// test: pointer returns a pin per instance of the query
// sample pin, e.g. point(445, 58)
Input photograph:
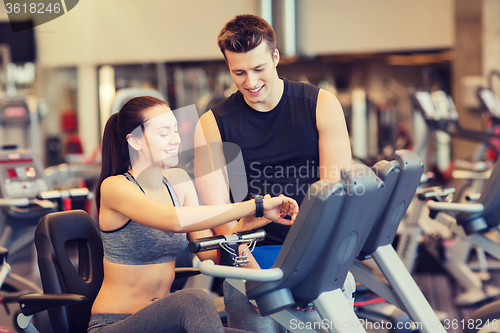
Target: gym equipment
point(478, 171)
point(486, 318)
point(364, 127)
point(475, 175)
point(472, 221)
point(442, 117)
point(69, 175)
point(359, 123)
point(230, 244)
point(12, 286)
point(305, 244)
point(491, 104)
point(19, 126)
point(475, 218)
point(395, 285)
point(25, 198)
point(51, 237)
point(453, 259)
point(66, 176)
point(190, 85)
point(22, 178)
point(324, 241)
point(487, 96)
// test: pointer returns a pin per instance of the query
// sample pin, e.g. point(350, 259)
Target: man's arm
point(209, 167)
point(334, 143)
point(211, 174)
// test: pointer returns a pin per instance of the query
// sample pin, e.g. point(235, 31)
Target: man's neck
point(272, 100)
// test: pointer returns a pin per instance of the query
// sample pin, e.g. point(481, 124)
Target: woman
point(144, 219)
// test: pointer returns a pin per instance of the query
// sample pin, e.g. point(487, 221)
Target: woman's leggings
point(241, 315)
point(187, 310)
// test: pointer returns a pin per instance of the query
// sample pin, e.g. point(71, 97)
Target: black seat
point(70, 259)
point(57, 237)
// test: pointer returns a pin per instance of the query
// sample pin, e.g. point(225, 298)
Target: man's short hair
point(244, 33)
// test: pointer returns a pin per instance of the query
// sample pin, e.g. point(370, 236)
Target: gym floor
point(440, 290)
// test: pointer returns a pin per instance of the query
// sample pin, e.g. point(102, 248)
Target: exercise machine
point(453, 257)
point(328, 235)
point(22, 179)
point(19, 125)
point(306, 242)
point(390, 280)
point(472, 222)
point(442, 117)
point(12, 286)
point(25, 198)
point(21, 176)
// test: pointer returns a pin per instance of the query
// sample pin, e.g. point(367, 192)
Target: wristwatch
point(259, 205)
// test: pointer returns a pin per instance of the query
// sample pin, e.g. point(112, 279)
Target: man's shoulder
point(298, 88)
point(302, 89)
point(227, 105)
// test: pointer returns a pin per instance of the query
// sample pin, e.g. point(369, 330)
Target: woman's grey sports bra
point(137, 244)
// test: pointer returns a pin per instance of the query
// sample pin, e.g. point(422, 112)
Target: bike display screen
point(21, 177)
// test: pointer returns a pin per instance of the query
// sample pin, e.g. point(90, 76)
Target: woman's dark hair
point(115, 150)
point(244, 33)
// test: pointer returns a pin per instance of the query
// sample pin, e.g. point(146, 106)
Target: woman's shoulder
point(114, 180)
point(176, 175)
point(182, 184)
point(116, 183)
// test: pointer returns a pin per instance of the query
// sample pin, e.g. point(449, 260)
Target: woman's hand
point(275, 209)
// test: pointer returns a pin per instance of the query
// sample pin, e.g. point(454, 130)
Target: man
point(291, 134)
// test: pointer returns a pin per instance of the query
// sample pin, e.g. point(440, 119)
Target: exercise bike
point(471, 222)
point(25, 197)
point(440, 116)
point(327, 237)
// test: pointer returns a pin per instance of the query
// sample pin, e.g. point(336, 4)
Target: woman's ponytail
point(115, 155)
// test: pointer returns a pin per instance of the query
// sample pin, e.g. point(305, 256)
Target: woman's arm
point(186, 192)
point(122, 196)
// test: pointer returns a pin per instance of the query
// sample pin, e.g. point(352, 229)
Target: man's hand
point(275, 209)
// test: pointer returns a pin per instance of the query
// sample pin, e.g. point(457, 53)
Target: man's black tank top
point(279, 147)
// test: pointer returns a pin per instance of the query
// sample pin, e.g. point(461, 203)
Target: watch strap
point(259, 206)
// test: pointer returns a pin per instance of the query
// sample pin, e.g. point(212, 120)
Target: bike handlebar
point(435, 193)
point(212, 243)
point(208, 267)
point(46, 195)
